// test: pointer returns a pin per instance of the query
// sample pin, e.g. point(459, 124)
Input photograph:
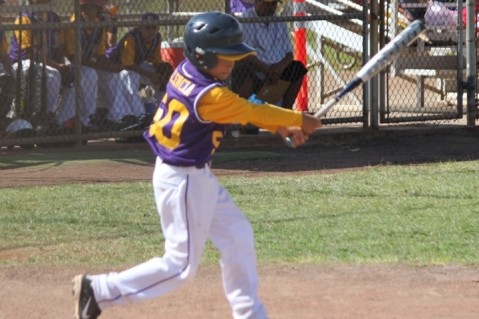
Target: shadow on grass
point(271, 155)
point(51, 158)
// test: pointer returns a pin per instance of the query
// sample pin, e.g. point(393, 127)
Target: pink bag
point(438, 15)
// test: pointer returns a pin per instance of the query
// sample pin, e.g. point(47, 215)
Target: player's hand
point(310, 123)
point(294, 133)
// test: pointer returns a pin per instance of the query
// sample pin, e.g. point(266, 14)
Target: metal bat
point(379, 61)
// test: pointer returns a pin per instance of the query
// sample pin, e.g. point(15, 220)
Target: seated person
point(270, 64)
point(94, 69)
point(33, 48)
point(94, 40)
point(274, 60)
point(139, 54)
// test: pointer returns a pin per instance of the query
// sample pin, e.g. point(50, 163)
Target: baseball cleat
point(86, 306)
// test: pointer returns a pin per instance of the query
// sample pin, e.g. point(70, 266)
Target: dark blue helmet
point(210, 34)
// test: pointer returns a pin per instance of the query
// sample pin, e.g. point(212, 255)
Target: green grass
point(411, 215)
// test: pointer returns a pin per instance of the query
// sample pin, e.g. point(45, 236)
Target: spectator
point(274, 60)
point(34, 48)
point(139, 53)
point(93, 59)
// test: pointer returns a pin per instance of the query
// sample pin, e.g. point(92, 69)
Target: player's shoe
point(86, 306)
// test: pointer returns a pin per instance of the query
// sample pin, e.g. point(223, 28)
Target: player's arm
point(99, 60)
point(127, 59)
point(7, 65)
point(220, 105)
point(25, 35)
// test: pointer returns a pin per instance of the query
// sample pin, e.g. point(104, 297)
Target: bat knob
point(289, 141)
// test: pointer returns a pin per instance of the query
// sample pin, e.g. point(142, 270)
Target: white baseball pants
point(53, 83)
point(193, 208)
point(88, 97)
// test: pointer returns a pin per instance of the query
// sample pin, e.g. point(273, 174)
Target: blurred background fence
point(332, 38)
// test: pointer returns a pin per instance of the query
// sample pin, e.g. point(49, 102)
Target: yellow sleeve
point(4, 45)
point(26, 35)
point(127, 53)
point(69, 39)
point(155, 57)
point(221, 105)
point(70, 43)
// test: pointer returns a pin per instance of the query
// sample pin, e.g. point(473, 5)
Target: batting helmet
point(212, 34)
point(20, 128)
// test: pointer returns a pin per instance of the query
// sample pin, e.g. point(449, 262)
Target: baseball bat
point(378, 62)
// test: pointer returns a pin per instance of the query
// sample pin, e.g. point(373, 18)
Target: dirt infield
point(289, 291)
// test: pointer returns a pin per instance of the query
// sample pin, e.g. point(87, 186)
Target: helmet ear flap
point(211, 60)
point(207, 60)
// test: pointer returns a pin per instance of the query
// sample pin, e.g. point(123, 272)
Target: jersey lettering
point(184, 85)
point(172, 124)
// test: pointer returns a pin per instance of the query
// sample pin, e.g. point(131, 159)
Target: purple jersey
point(142, 53)
point(52, 38)
point(241, 5)
point(178, 135)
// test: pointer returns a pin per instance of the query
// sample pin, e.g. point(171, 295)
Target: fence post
point(300, 52)
point(471, 81)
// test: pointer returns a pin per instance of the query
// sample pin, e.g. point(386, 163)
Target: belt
point(203, 165)
point(199, 165)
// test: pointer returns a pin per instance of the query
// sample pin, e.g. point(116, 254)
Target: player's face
point(148, 33)
point(222, 70)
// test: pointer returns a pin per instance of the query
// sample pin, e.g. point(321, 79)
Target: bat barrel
point(376, 64)
point(391, 50)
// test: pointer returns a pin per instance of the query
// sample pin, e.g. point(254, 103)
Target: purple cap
point(150, 16)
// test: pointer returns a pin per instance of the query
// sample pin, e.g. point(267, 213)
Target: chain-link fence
point(100, 76)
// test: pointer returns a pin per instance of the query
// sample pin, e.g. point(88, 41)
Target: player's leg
point(89, 93)
point(130, 81)
point(294, 73)
point(19, 105)
point(54, 82)
point(185, 201)
point(232, 234)
point(66, 109)
point(110, 92)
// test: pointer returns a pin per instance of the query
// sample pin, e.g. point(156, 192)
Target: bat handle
point(289, 141)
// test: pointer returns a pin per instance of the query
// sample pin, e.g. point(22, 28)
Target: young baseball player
point(36, 47)
point(139, 52)
point(94, 66)
point(192, 205)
